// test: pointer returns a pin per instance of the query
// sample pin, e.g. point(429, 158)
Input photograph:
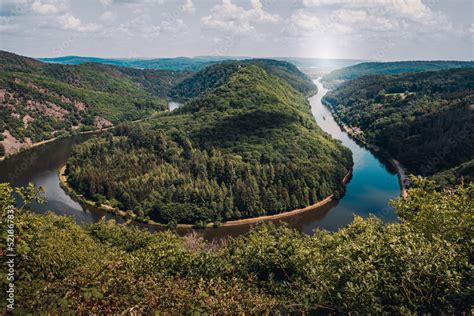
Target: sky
point(352, 29)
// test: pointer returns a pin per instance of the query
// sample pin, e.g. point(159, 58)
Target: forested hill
point(39, 100)
point(246, 148)
point(425, 120)
point(215, 75)
point(173, 64)
point(390, 68)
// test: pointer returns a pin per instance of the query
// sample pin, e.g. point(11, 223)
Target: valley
point(425, 120)
point(164, 196)
point(236, 157)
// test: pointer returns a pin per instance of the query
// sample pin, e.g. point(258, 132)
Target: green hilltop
point(245, 148)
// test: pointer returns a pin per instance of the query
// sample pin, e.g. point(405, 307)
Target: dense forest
point(216, 75)
point(423, 264)
point(246, 148)
point(39, 100)
point(425, 120)
point(389, 68)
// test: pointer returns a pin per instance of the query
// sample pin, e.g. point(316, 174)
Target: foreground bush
point(422, 264)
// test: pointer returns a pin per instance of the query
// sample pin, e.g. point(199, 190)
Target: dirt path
point(402, 177)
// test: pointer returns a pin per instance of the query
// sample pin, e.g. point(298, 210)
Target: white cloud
point(414, 9)
point(106, 2)
point(339, 29)
point(352, 16)
point(232, 18)
point(471, 28)
point(144, 26)
point(301, 24)
point(389, 16)
point(44, 8)
point(174, 27)
point(107, 17)
point(70, 22)
point(188, 6)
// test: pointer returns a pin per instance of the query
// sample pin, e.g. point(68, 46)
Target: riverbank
point(294, 212)
point(357, 135)
point(402, 177)
point(64, 184)
point(43, 142)
point(130, 215)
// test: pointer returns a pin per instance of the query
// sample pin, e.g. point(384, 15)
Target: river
point(372, 185)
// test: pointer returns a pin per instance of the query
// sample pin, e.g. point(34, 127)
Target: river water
point(372, 185)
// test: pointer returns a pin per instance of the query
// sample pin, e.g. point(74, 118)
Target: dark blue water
point(373, 182)
point(372, 185)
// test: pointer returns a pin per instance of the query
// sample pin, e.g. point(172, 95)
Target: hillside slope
point(39, 101)
point(247, 148)
point(106, 268)
point(389, 68)
point(425, 120)
point(215, 75)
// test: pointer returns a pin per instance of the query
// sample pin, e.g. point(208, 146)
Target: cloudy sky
point(360, 29)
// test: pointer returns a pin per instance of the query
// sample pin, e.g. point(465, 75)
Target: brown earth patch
point(10, 143)
point(80, 106)
point(101, 122)
point(27, 120)
point(48, 109)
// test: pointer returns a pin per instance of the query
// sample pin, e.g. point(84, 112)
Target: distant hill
point(320, 63)
point(174, 64)
point(213, 76)
point(199, 62)
point(40, 100)
point(390, 68)
point(425, 120)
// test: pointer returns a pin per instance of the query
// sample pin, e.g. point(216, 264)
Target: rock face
point(101, 122)
point(27, 120)
point(10, 143)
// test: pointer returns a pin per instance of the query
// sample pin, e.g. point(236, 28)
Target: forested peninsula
point(425, 120)
point(244, 145)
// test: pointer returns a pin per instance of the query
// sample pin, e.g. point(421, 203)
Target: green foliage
point(390, 68)
point(463, 172)
point(425, 120)
point(421, 265)
point(435, 213)
point(216, 75)
point(59, 98)
point(249, 147)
